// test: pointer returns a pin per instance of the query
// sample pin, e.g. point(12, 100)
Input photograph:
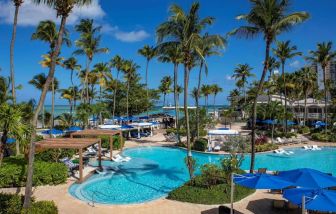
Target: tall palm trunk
point(52, 106)
point(164, 99)
point(176, 102)
point(128, 88)
point(29, 183)
point(115, 97)
point(197, 99)
point(325, 99)
point(12, 76)
point(88, 62)
point(186, 115)
point(43, 116)
point(73, 90)
point(214, 103)
point(285, 93)
point(147, 96)
point(3, 144)
point(254, 109)
point(305, 108)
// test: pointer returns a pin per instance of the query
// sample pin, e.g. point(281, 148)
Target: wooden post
point(121, 139)
point(111, 146)
point(80, 165)
point(71, 136)
point(99, 153)
point(232, 194)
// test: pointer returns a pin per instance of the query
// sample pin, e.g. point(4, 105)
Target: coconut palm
point(323, 56)
point(63, 10)
point(209, 45)
point(241, 73)
point(17, 4)
point(4, 89)
point(165, 87)
point(149, 53)
point(215, 89)
point(65, 118)
point(71, 64)
point(116, 62)
point(206, 90)
point(89, 45)
point(173, 54)
point(129, 69)
point(268, 18)
point(285, 51)
point(68, 94)
point(273, 64)
point(184, 29)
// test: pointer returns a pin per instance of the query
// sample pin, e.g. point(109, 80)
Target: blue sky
point(128, 25)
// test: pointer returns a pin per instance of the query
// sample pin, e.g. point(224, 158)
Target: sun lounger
point(308, 147)
point(217, 148)
point(262, 170)
point(315, 147)
point(119, 158)
point(282, 151)
point(69, 164)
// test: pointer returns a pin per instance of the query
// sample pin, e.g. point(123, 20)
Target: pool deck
point(259, 202)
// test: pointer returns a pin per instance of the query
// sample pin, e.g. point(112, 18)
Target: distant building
point(330, 73)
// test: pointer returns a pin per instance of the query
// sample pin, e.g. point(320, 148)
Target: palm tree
point(173, 54)
point(116, 62)
point(88, 45)
point(71, 64)
point(323, 56)
point(209, 46)
point(129, 68)
point(65, 118)
point(4, 89)
point(285, 51)
point(165, 87)
point(68, 94)
point(206, 90)
point(183, 29)
point(273, 64)
point(149, 53)
point(308, 78)
point(17, 4)
point(269, 18)
point(11, 122)
point(38, 82)
point(63, 9)
point(215, 89)
point(241, 73)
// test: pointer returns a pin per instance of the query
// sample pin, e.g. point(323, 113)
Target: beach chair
point(262, 170)
point(70, 165)
point(315, 147)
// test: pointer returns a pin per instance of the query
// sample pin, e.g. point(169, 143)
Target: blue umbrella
point(314, 199)
point(126, 127)
point(74, 129)
point(223, 129)
point(10, 140)
point(271, 122)
point(289, 123)
point(309, 178)
point(53, 131)
point(261, 181)
point(143, 118)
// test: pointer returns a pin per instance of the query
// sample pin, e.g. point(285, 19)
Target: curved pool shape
point(155, 171)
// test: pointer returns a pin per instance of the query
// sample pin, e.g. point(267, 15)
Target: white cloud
point(124, 36)
point(31, 14)
point(228, 77)
point(295, 64)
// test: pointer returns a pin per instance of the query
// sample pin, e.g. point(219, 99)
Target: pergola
point(72, 143)
point(99, 132)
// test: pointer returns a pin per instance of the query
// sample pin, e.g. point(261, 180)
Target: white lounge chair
point(119, 158)
point(315, 147)
point(283, 152)
point(308, 147)
point(126, 158)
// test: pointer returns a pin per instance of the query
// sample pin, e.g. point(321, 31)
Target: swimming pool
point(154, 171)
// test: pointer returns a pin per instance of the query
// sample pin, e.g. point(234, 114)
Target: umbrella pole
point(232, 193)
point(303, 205)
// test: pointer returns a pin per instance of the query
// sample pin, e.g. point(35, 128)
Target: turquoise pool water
point(154, 171)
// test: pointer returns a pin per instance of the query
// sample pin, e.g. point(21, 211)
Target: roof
point(95, 132)
point(66, 143)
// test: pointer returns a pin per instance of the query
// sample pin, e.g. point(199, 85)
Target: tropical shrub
point(211, 175)
point(261, 140)
point(54, 155)
point(117, 144)
point(325, 137)
point(14, 170)
point(304, 130)
point(266, 147)
point(231, 164)
point(200, 144)
point(12, 203)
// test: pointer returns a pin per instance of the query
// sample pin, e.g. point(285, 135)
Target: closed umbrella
point(312, 199)
point(309, 178)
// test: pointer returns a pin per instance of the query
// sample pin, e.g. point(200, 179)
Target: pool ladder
point(92, 199)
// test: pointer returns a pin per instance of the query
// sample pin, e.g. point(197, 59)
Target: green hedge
point(217, 194)
point(12, 204)
point(266, 147)
point(117, 144)
point(14, 170)
point(200, 144)
point(53, 155)
point(321, 136)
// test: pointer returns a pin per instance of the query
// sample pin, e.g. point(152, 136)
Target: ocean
point(60, 109)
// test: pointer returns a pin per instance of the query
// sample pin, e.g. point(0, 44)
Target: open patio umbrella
point(53, 131)
point(270, 122)
point(10, 140)
point(257, 181)
point(309, 178)
point(74, 129)
point(312, 199)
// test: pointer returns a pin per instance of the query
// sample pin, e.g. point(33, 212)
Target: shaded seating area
point(97, 133)
point(71, 143)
